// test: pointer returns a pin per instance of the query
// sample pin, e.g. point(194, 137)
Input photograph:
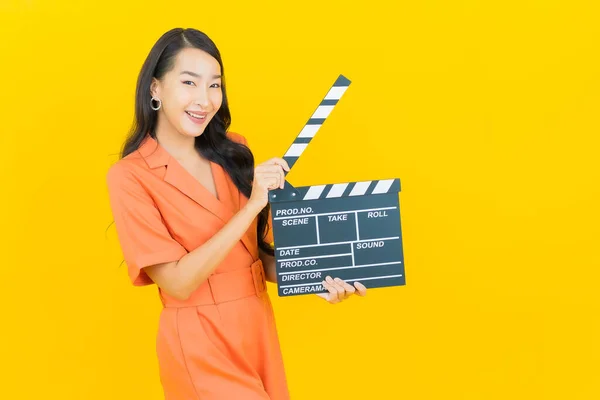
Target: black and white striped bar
point(346, 230)
point(316, 120)
point(349, 189)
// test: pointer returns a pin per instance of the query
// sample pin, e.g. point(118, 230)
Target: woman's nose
point(202, 99)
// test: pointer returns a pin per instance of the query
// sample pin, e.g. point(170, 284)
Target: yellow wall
point(486, 110)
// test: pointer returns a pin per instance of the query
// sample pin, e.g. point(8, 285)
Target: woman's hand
point(267, 176)
point(338, 290)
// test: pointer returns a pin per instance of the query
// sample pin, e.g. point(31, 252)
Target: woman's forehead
point(197, 61)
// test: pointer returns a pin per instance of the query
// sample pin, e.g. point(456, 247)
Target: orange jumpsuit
point(222, 342)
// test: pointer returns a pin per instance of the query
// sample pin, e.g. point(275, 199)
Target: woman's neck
point(180, 147)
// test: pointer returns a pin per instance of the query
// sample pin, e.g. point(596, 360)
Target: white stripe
point(309, 258)
point(383, 186)
point(336, 268)
point(309, 130)
point(322, 112)
point(337, 190)
point(336, 212)
point(314, 192)
point(335, 92)
point(345, 280)
point(360, 188)
point(336, 243)
point(296, 150)
point(373, 277)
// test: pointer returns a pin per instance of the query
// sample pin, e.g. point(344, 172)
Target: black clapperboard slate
point(347, 230)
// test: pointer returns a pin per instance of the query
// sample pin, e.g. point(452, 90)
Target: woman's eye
point(187, 82)
point(216, 85)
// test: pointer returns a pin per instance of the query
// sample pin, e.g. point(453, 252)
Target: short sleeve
point(144, 238)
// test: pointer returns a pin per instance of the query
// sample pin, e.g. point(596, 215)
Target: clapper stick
point(316, 120)
point(349, 230)
point(310, 129)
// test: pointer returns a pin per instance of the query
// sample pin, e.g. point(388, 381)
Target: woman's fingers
point(270, 177)
point(272, 169)
point(361, 289)
point(269, 182)
point(282, 178)
point(276, 165)
point(334, 296)
point(339, 290)
point(279, 161)
point(348, 289)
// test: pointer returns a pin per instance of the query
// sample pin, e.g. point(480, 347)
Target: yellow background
point(486, 110)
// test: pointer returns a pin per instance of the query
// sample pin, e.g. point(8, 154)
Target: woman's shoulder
point(125, 169)
point(237, 137)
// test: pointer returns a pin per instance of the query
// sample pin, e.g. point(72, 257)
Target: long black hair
point(235, 158)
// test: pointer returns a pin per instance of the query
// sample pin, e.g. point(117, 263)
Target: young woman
point(192, 217)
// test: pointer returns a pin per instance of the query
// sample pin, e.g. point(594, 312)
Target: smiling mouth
point(197, 116)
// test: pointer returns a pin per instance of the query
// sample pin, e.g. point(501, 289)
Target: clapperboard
point(347, 230)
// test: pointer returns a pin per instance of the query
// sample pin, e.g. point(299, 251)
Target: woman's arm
point(181, 278)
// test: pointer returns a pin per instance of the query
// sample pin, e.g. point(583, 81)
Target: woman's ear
point(154, 88)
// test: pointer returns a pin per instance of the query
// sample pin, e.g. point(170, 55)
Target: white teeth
point(196, 115)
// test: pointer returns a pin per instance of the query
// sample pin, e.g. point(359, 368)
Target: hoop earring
point(152, 104)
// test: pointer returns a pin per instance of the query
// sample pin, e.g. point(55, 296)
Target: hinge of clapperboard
point(308, 132)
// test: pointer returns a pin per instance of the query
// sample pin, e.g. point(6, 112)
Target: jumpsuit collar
point(229, 201)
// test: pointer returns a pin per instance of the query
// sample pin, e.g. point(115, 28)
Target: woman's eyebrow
point(197, 75)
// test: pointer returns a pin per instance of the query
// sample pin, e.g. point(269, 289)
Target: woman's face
point(190, 93)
